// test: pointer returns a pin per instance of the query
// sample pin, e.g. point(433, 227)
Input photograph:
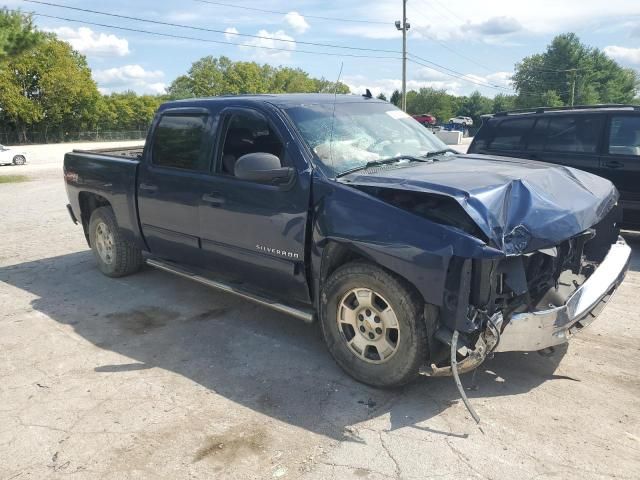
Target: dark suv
point(601, 139)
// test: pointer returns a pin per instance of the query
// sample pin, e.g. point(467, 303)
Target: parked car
point(344, 210)
point(12, 156)
point(464, 121)
point(425, 119)
point(600, 139)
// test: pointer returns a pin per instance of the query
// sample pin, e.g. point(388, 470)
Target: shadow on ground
point(257, 358)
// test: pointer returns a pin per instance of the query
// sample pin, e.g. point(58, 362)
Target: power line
point(212, 30)
point(317, 17)
point(206, 40)
point(453, 73)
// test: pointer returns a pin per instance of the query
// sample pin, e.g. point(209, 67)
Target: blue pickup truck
point(344, 210)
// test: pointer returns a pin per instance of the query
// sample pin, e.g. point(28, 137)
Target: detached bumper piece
point(531, 331)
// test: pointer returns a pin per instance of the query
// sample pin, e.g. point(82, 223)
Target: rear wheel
point(373, 325)
point(116, 256)
point(19, 160)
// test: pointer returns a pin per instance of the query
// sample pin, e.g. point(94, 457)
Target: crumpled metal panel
point(520, 205)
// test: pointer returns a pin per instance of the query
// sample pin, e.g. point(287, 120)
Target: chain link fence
point(40, 137)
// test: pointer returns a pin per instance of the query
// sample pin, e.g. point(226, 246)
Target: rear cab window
point(180, 141)
point(624, 135)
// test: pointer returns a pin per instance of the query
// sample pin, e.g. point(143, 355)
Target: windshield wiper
point(383, 161)
point(439, 152)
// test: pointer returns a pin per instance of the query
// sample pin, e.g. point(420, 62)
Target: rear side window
point(511, 134)
point(624, 135)
point(179, 142)
point(578, 134)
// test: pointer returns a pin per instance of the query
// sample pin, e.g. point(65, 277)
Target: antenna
point(333, 115)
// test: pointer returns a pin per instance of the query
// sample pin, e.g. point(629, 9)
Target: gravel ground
point(151, 376)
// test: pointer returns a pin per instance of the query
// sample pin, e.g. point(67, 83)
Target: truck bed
point(118, 152)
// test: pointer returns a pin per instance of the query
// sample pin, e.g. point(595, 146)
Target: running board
point(304, 315)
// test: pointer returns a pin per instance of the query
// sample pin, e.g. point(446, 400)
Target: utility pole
point(404, 26)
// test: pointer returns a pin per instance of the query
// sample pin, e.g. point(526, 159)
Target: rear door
point(620, 160)
point(175, 171)
point(253, 233)
point(571, 140)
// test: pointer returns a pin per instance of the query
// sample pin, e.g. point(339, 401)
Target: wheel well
point(335, 255)
point(88, 203)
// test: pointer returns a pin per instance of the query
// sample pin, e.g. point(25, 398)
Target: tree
point(474, 106)
point(17, 33)
point(49, 85)
point(382, 96)
point(576, 73)
point(503, 103)
point(211, 76)
point(430, 100)
point(396, 97)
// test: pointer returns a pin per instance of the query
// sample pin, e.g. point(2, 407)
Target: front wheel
point(115, 255)
point(373, 325)
point(19, 160)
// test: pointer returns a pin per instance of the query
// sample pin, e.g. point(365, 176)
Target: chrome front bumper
point(532, 331)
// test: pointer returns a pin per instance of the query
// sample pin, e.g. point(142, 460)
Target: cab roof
point(284, 100)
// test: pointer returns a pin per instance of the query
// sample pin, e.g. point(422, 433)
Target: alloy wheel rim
point(104, 242)
point(368, 325)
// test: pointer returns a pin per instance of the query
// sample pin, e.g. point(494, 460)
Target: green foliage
point(49, 85)
point(503, 103)
point(17, 33)
point(436, 102)
point(396, 96)
point(127, 111)
point(474, 106)
point(13, 178)
point(382, 96)
point(570, 70)
point(212, 76)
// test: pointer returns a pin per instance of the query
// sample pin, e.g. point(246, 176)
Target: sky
point(459, 46)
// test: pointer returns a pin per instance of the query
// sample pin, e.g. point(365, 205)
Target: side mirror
point(262, 167)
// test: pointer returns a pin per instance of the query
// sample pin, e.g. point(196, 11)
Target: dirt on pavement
point(151, 376)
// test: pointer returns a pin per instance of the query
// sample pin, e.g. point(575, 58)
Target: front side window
point(179, 142)
point(578, 134)
point(510, 134)
point(347, 136)
point(624, 136)
point(248, 131)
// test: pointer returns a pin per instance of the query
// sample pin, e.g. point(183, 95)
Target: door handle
point(614, 164)
point(213, 198)
point(148, 188)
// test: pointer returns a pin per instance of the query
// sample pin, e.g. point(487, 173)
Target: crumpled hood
point(520, 205)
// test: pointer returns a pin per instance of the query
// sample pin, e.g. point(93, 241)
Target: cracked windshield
point(362, 134)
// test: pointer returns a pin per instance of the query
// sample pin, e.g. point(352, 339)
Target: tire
point(390, 368)
point(19, 160)
point(116, 256)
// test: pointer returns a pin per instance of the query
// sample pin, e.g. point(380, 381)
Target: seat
point(239, 142)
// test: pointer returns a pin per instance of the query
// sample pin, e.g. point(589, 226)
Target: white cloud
point(262, 46)
point(88, 42)
point(624, 54)
point(495, 26)
point(296, 21)
point(231, 33)
point(488, 21)
point(130, 77)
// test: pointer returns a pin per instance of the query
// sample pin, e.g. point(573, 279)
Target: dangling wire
point(456, 377)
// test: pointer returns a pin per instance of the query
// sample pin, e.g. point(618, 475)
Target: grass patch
point(13, 178)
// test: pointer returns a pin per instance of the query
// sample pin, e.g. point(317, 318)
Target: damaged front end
point(531, 301)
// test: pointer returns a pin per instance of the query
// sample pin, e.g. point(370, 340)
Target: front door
point(175, 171)
point(252, 233)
